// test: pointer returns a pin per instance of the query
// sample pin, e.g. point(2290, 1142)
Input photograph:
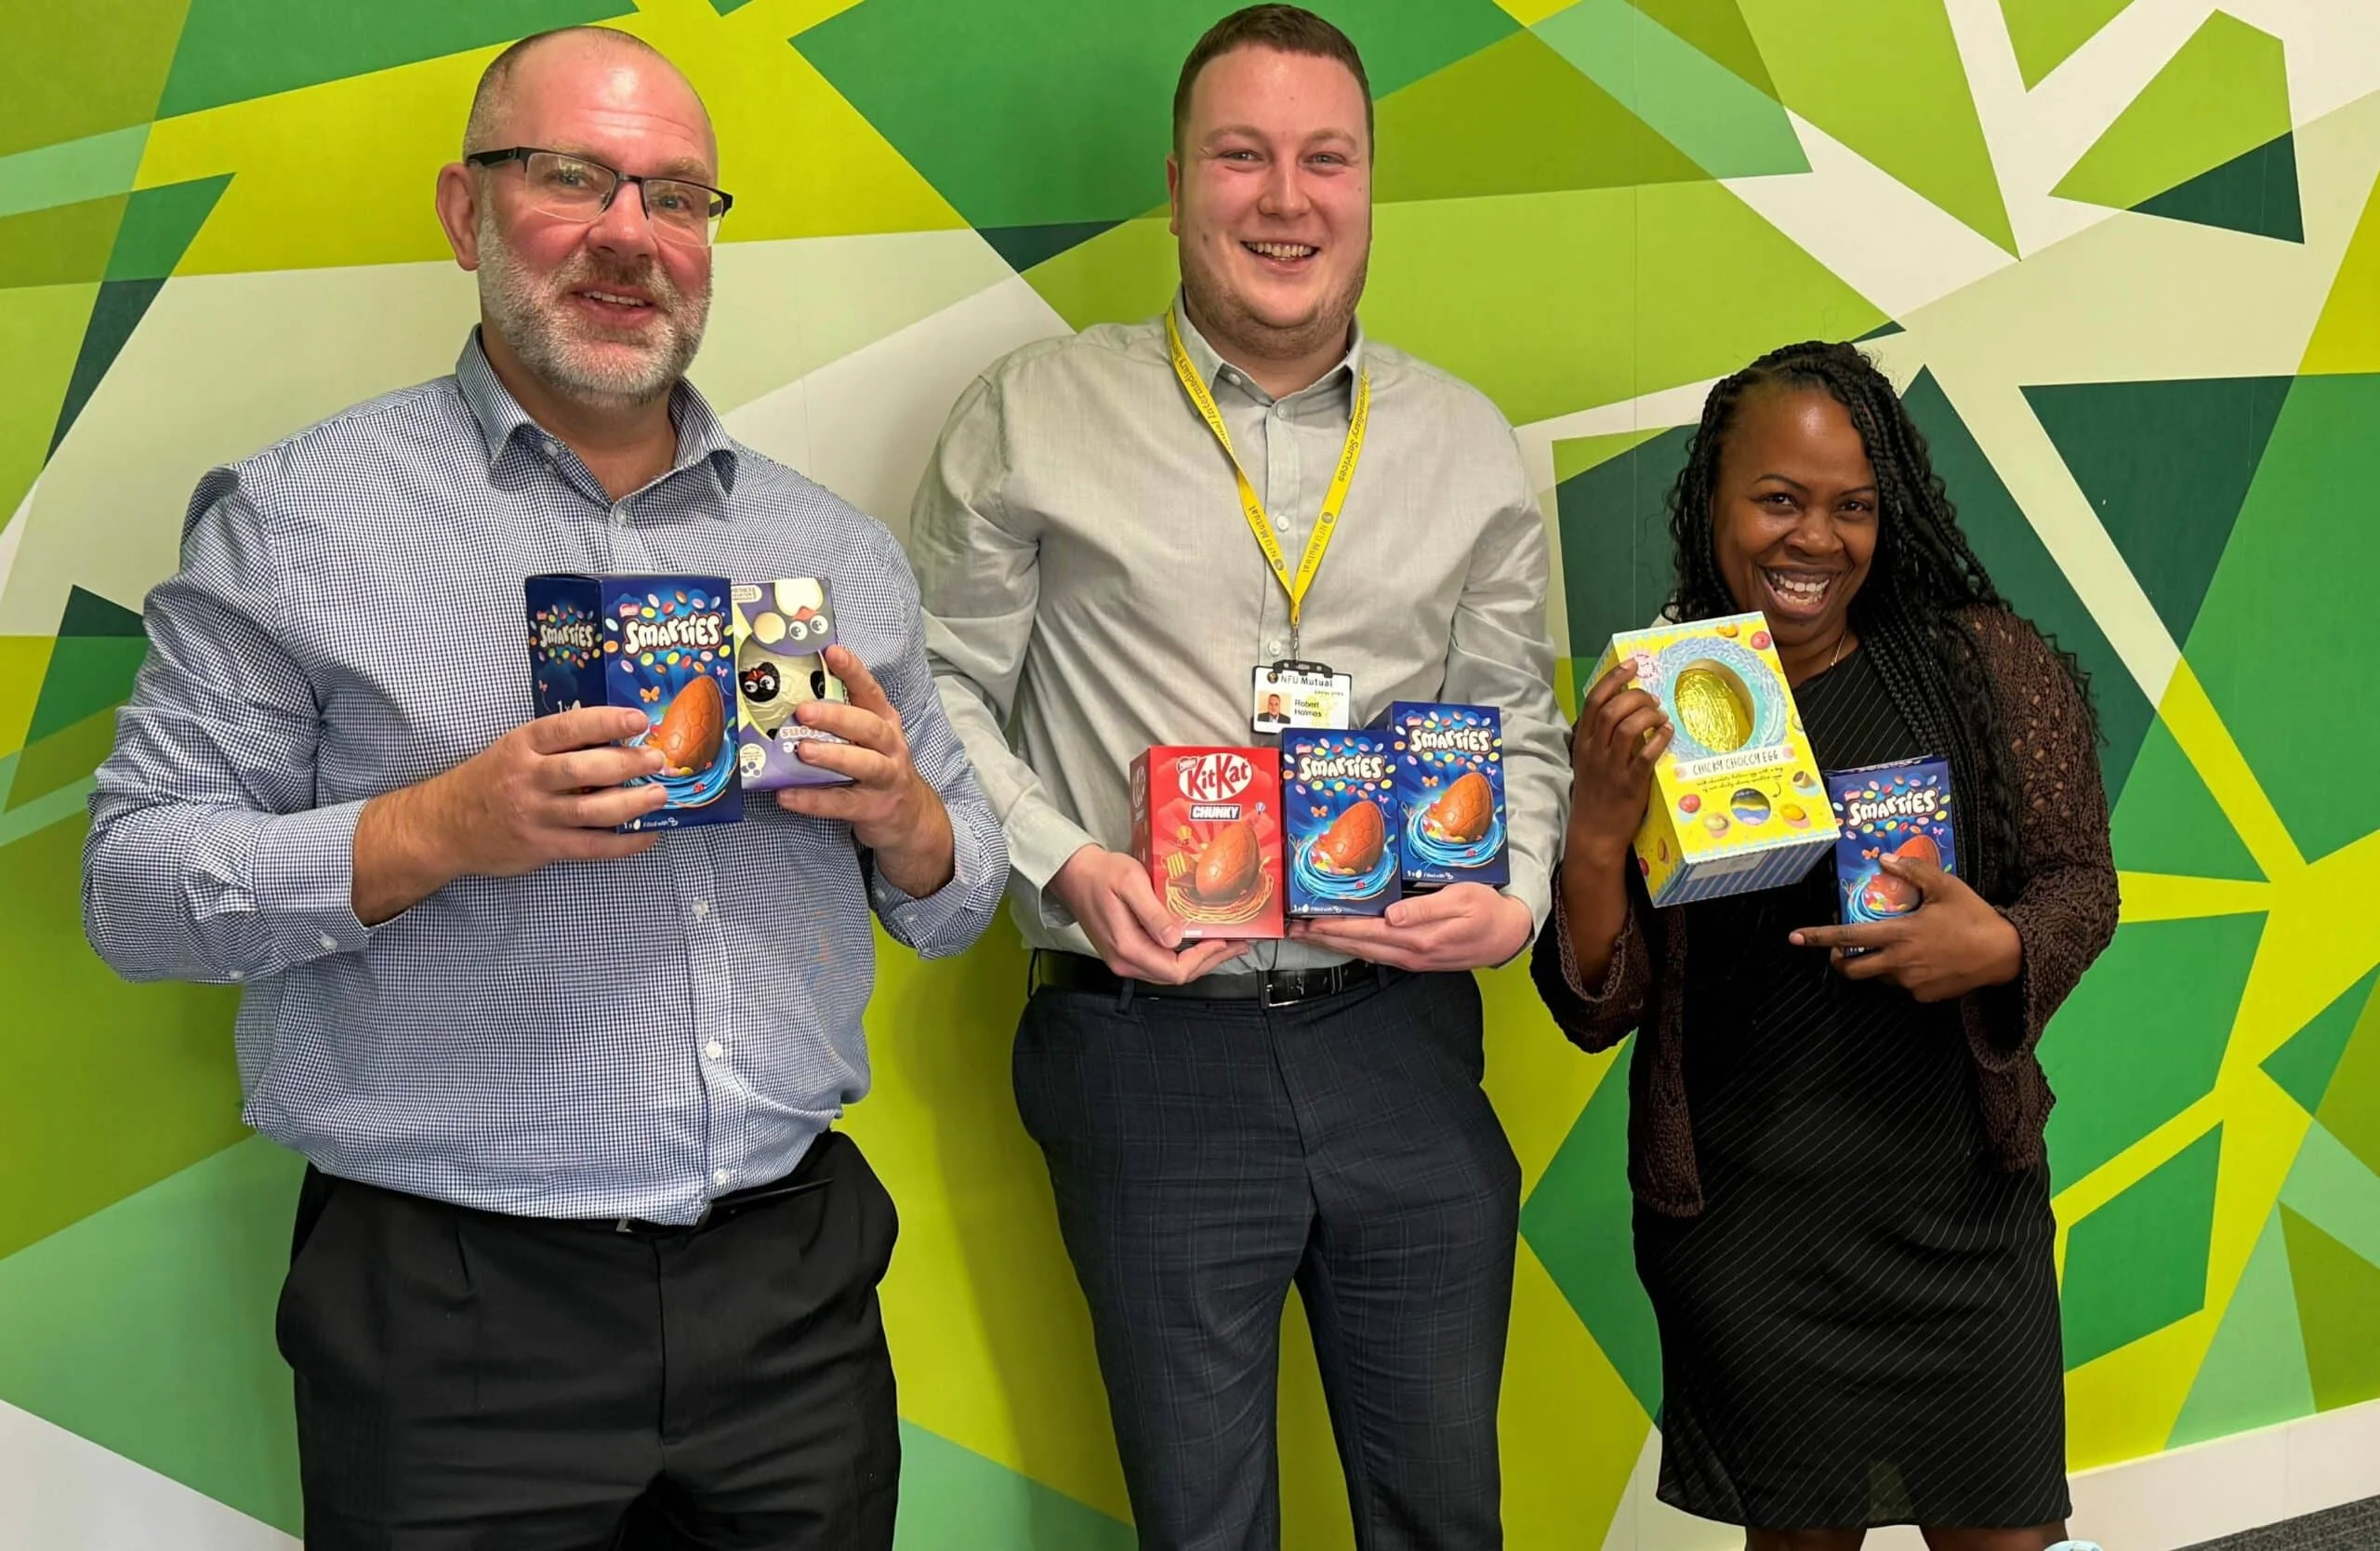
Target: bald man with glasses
point(580, 1260)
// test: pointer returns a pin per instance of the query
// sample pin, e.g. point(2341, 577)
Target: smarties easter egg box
point(659, 643)
point(1206, 824)
point(1338, 821)
point(1737, 804)
point(1900, 809)
point(1449, 792)
point(782, 629)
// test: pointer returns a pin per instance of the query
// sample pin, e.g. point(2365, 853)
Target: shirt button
point(620, 515)
point(330, 944)
point(702, 908)
point(1274, 647)
point(714, 1050)
point(719, 1176)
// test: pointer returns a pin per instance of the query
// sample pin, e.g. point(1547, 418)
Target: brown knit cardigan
point(2062, 903)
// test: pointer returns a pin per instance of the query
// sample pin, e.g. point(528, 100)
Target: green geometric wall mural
point(1578, 1221)
point(2139, 1263)
point(2304, 1066)
point(2224, 95)
point(2046, 31)
point(2337, 1291)
point(2254, 191)
point(2166, 466)
point(2182, 978)
point(2254, 1373)
point(2131, 307)
point(2029, 577)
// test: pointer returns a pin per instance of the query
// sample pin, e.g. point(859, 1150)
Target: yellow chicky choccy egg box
point(1737, 802)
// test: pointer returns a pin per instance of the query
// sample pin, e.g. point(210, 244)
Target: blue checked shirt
point(592, 1039)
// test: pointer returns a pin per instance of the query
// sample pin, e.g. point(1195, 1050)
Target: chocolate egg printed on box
point(1450, 791)
point(1339, 822)
point(1737, 803)
point(660, 645)
point(1902, 809)
point(783, 628)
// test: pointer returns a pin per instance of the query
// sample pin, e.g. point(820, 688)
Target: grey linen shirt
point(1090, 587)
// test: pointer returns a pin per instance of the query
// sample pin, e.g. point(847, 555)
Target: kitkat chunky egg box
point(664, 645)
point(1206, 824)
point(1737, 803)
point(1902, 809)
point(1449, 778)
point(1340, 819)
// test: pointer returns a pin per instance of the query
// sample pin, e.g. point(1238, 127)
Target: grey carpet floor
point(2355, 1526)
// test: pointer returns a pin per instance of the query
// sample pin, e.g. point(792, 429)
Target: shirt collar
point(1211, 365)
point(701, 437)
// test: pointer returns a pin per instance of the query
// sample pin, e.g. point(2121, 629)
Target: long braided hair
point(1913, 614)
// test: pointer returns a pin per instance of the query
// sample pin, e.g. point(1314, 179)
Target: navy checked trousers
point(1206, 1156)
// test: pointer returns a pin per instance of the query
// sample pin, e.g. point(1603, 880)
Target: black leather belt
point(1072, 971)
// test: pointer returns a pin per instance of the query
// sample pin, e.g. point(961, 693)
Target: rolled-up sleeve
point(951, 919)
point(207, 859)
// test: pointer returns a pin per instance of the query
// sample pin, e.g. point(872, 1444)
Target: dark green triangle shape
point(2304, 1067)
point(2138, 1263)
point(233, 50)
point(115, 312)
point(91, 666)
point(1882, 331)
point(1716, 29)
point(2255, 192)
point(2337, 1289)
point(2166, 464)
point(1579, 1220)
point(2026, 575)
point(1616, 560)
point(89, 614)
point(158, 225)
point(1025, 246)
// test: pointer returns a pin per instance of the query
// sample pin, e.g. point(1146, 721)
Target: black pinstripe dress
point(1862, 1326)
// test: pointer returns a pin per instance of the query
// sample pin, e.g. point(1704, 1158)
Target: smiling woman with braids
point(1843, 1214)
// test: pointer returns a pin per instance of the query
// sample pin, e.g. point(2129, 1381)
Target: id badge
point(1285, 694)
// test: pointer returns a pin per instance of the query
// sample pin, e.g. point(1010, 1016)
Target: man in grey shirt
point(1221, 1120)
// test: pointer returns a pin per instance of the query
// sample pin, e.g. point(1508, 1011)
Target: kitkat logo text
point(1212, 777)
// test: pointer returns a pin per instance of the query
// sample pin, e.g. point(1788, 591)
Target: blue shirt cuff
point(302, 877)
point(951, 919)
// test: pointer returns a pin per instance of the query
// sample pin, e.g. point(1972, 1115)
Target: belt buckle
point(1266, 997)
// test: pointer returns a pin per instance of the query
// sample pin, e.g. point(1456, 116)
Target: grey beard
point(523, 309)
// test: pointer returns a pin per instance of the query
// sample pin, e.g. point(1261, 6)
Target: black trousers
point(1205, 1155)
point(469, 1380)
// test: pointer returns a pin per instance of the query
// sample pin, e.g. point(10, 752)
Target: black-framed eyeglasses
point(575, 188)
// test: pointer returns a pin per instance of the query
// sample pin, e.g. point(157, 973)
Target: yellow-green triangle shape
point(1884, 77)
point(2046, 32)
point(2222, 95)
point(1574, 455)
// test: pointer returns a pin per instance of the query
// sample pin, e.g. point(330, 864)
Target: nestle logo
point(1212, 777)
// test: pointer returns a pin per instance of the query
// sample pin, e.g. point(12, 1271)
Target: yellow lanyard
point(1252, 508)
